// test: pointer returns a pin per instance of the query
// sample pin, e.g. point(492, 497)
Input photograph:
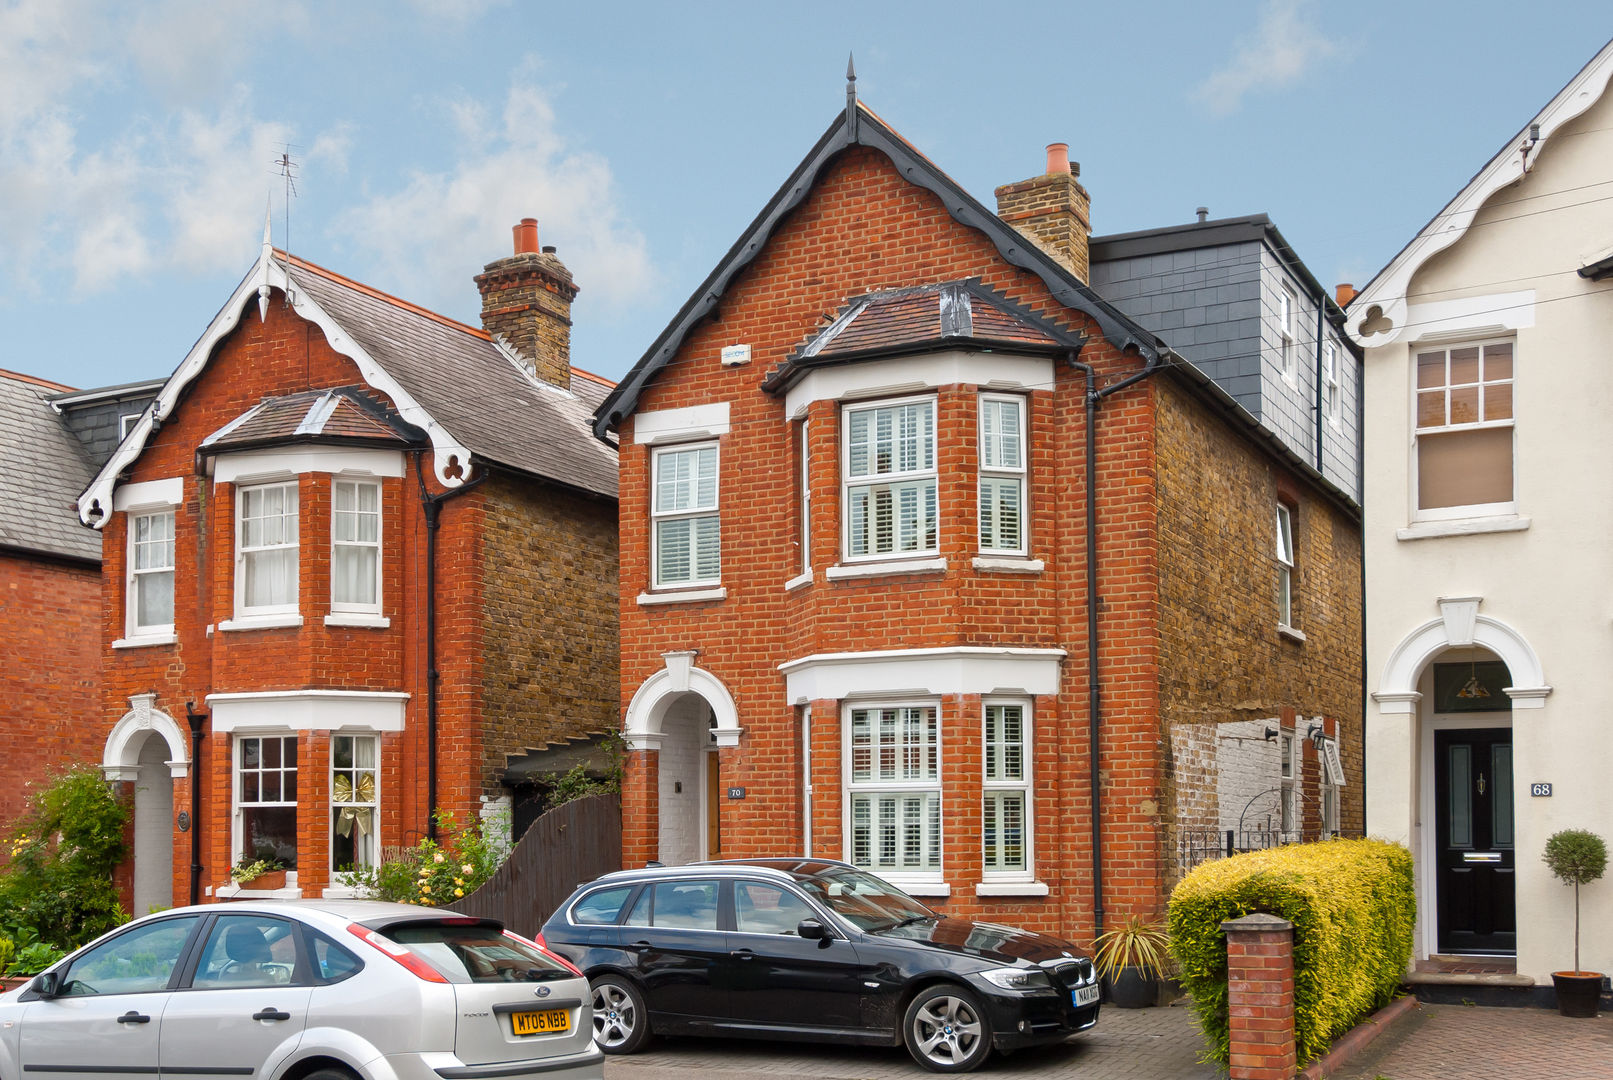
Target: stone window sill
point(1011, 888)
point(1008, 564)
point(1428, 530)
point(803, 578)
point(259, 622)
point(922, 888)
point(1290, 633)
point(687, 596)
point(883, 567)
point(354, 618)
point(145, 641)
point(233, 891)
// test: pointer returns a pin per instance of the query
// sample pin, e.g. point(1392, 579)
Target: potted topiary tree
point(1132, 960)
point(1577, 857)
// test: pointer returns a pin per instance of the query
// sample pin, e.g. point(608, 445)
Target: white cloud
point(441, 227)
point(1281, 50)
point(188, 51)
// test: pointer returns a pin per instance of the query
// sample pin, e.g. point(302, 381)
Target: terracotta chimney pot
point(1343, 294)
point(526, 236)
point(1058, 157)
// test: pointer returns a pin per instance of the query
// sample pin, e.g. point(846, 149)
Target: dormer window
point(890, 479)
point(266, 550)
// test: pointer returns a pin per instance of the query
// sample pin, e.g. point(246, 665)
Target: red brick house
point(874, 476)
point(357, 557)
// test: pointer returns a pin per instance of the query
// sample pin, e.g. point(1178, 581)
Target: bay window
point(894, 789)
point(686, 537)
point(355, 552)
point(266, 551)
point(1002, 475)
point(1005, 818)
point(355, 801)
point(890, 479)
point(266, 798)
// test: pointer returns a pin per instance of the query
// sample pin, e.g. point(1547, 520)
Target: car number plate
point(1086, 995)
point(541, 1023)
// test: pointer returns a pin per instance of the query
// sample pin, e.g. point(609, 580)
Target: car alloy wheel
point(946, 1030)
point(620, 1022)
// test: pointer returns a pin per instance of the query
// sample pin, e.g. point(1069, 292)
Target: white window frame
point(925, 880)
point(241, 551)
point(874, 480)
point(379, 545)
point(132, 628)
point(1018, 475)
point(1472, 510)
point(126, 421)
point(238, 815)
point(806, 499)
point(659, 516)
point(1330, 806)
point(1285, 565)
point(1330, 379)
point(1023, 786)
point(374, 806)
point(1285, 332)
point(1289, 821)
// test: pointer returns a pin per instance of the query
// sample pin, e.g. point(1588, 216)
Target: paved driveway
point(1456, 1042)
point(1127, 1044)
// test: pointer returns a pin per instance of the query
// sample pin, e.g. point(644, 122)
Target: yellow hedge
point(1352, 905)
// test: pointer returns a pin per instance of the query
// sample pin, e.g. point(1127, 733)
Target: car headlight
point(1016, 978)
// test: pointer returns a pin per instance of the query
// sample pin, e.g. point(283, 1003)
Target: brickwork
point(52, 665)
point(526, 302)
point(553, 671)
point(1055, 212)
point(1260, 997)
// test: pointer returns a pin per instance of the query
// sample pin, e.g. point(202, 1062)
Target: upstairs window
point(1464, 430)
point(151, 573)
point(355, 551)
point(890, 479)
point(1002, 475)
point(1285, 331)
point(1285, 566)
point(266, 555)
point(687, 543)
point(1330, 381)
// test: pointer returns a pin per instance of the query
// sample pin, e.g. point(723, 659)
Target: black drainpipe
point(1094, 705)
point(1321, 391)
point(196, 720)
point(432, 505)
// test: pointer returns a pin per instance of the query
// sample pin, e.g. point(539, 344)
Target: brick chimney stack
point(1053, 210)
point(526, 304)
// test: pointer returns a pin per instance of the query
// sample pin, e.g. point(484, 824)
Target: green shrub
point(58, 886)
point(1353, 908)
point(434, 873)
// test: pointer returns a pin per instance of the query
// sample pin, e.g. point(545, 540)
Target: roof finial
point(264, 260)
point(851, 94)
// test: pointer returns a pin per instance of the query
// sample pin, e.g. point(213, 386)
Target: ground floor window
point(1287, 789)
point(1005, 813)
point(894, 788)
point(355, 801)
point(266, 798)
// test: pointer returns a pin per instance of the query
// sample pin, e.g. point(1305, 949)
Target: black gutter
point(432, 505)
point(1095, 698)
point(196, 720)
point(83, 562)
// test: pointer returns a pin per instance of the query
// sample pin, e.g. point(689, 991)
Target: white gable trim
point(449, 455)
point(1387, 292)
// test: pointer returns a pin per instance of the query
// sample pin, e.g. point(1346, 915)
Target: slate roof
point(42, 470)
point(470, 386)
point(946, 315)
point(345, 414)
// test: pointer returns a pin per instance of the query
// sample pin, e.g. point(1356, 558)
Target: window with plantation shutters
point(890, 479)
point(1002, 475)
point(894, 789)
point(686, 544)
point(1005, 812)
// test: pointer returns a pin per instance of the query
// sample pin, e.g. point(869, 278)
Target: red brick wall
point(864, 228)
point(50, 639)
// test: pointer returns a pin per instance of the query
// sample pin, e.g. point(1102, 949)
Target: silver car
point(304, 990)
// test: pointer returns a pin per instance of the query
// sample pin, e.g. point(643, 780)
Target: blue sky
point(136, 140)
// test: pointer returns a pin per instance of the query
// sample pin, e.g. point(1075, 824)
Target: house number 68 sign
point(1540, 791)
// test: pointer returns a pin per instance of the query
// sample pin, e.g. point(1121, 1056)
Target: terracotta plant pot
point(272, 879)
point(1578, 992)
point(11, 982)
point(1133, 988)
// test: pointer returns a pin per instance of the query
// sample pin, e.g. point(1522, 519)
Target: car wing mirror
point(812, 930)
point(47, 985)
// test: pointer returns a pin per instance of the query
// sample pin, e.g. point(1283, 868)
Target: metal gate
point(571, 844)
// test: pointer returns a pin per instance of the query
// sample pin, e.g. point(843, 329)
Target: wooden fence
point(571, 844)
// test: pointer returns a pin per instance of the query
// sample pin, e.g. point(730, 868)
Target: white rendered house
point(1488, 466)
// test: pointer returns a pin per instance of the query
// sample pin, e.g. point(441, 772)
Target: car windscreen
point(476, 952)
point(863, 900)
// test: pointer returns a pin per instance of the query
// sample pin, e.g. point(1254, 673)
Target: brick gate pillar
point(1260, 997)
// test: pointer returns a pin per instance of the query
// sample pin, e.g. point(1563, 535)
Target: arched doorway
point(680, 717)
point(153, 827)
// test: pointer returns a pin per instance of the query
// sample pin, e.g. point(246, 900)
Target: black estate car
point(813, 949)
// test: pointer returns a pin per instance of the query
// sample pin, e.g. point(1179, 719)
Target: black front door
point(1473, 830)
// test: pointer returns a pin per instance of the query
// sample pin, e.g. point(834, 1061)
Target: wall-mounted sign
point(183, 821)
point(735, 355)
point(1540, 791)
point(736, 793)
